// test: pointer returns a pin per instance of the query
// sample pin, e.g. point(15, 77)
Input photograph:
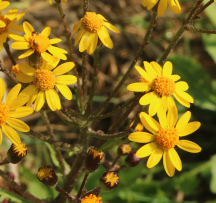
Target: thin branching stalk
point(10, 55)
point(67, 195)
point(52, 135)
point(194, 29)
point(142, 46)
point(82, 185)
point(203, 8)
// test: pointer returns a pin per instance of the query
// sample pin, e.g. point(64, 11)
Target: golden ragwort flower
point(11, 110)
point(162, 6)
point(45, 82)
point(9, 19)
point(91, 199)
point(39, 43)
point(3, 5)
point(93, 26)
point(50, 1)
point(162, 84)
point(165, 136)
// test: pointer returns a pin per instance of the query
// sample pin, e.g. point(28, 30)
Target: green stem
point(194, 29)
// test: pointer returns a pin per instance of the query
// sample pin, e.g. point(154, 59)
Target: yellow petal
point(11, 134)
point(28, 91)
point(189, 128)
point(138, 87)
point(55, 41)
point(155, 157)
point(66, 79)
point(32, 98)
point(11, 14)
point(77, 26)
point(162, 117)
point(4, 4)
point(149, 69)
point(21, 112)
point(63, 68)
point(85, 41)
point(162, 7)
point(15, 37)
point(18, 102)
point(21, 77)
point(174, 5)
point(167, 69)
point(148, 98)
point(141, 137)
point(58, 52)
point(79, 35)
point(18, 125)
point(181, 100)
point(168, 165)
point(146, 150)
point(18, 28)
point(154, 106)
point(185, 96)
point(175, 77)
point(183, 86)
point(105, 38)
point(157, 68)
point(20, 45)
point(52, 99)
point(111, 27)
point(19, 16)
point(40, 100)
point(183, 120)
point(26, 54)
point(13, 93)
point(47, 57)
point(2, 89)
point(46, 31)
point(27, 69)
point(172, 115)
point(175, 159)
point(144, 74)
point(149, 123)
point(91, 48)
point(28, 29)
point(189, 146)
point(65, 91)
point(101, 17)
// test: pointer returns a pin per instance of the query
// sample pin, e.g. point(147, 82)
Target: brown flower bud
point(108, 181)
point(93, 159)
point(47, 176)
point(16, 153)
point(124, 149)
point(132, 160)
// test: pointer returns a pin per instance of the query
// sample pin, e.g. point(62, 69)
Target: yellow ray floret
point(162, 5)
point(159, 86)
point(11, 110)
point(38, 42)
point(3, 5)
point(93, 27)
point(164, 137)
point(44, 83)
point(9, 19)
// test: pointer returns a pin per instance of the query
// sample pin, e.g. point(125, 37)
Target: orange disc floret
point(167, 138)
point(16, 70)
point(92, 22)
point(91, 199)
point(39, 43)
point(163, 86)
point(4, 113)
point(44, 80)
point(6, 21)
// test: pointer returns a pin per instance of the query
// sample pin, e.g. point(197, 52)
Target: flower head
point(11, 110)
point(91, 199)
point(164, 138)
point(162, 6)
point(93, 26)
point(50, 1)
point(3, 5)
point(44, 84)
point(39, 43)
point(8, 20)
point(162, 84)
point(124, 149)
point(16, 153)
point(109, 181)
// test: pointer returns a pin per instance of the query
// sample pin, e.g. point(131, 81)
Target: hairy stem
point(67, 195)
point(82, 186)
point(7, 49)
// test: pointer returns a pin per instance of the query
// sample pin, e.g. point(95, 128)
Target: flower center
point(4, 113)
point(16, 70)
point(44, 79)
point(6, 21)
point(167, 138)
point(91, 199)
point(45, 173)
point(92, 22)
point(39, 43)
point(163, 86)
point(20, 149)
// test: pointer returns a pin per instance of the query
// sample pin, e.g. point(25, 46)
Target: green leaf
point(53, 155)
point(213, 178)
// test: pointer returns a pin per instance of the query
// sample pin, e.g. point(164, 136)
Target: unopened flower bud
point(16, 153)
point(124, 149)
point(108, 181)
point(47, 176)
point(132, 160)
point(139, 127)
point(93, 159)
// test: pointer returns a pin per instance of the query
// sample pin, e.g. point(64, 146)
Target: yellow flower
point(162, 6)
point(45, 84)
point(162, 84)
point(39, 43)
point(11, 110)
point(9, 19)
point(20, 76)
point(165, 136)
point(50, 1)
point(3, 5)
point(93, 26)
point(91, 199)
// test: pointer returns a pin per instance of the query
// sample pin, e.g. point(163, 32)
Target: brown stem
point(82, 186)
point(5, 161)
point(52, 135)
point(96, 191)
point(19, 188)
point(8, 73)
point(7, 49)
point(118, 158)
point(67, 195)
point(203, 8)
point(84, 80)
point(194, 29)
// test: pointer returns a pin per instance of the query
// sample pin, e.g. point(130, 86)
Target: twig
point(7, 49)
point(84, 80)
point(52, 135)
point(82, 186)
point(194, 29)
point(19, 188)
point(8, 73)
point(71, 198)
point(203, 8)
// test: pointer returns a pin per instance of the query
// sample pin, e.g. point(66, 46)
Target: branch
point(194, 29)
point(7, 49)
